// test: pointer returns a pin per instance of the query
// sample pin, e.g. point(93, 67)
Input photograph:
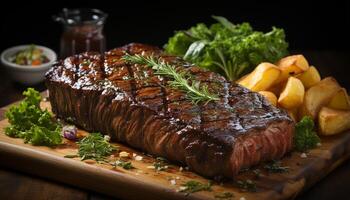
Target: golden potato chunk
point(292, 65)
point(271, 97)
point(263, 76)
point(293, 94)
point(318, 96)
point(340, 100)
point(333, 121)
point(310, 77)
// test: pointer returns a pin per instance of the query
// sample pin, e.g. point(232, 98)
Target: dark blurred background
point(319, 30)
point(309, 25)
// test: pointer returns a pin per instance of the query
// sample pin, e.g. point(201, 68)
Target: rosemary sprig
point(194, 91)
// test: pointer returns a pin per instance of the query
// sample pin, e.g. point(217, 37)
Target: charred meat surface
point(132, 105)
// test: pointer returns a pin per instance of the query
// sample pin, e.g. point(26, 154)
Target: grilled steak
point(132, 105)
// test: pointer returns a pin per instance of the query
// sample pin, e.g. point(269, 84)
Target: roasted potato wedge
point(310, 77)
point(271, 97)
point(293, 94)
point(340, 100)
point(333, 121)
point(291, 65)
point(318, 96)
point(263, 76)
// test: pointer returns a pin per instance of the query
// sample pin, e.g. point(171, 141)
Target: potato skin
point(340, 100)
point(310, 77)
point(333, 121)
point(295, 86)
point(318, 96)
point(263, 77)
point(293, 94)
point(291, 66)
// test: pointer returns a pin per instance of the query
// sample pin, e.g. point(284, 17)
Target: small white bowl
point(28, 75)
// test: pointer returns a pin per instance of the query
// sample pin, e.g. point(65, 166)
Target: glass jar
point(82, 31)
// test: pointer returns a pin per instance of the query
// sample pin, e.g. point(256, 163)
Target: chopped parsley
point(95, 147)
point(275, 167)
point(124, 164)
point(247, 185)
point(160, 164)
point(257, 173)
point(195, 186)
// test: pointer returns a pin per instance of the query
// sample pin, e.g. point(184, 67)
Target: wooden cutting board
point(146, 183)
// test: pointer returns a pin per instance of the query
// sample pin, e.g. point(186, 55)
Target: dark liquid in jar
point(82, 31)
point(82, 38)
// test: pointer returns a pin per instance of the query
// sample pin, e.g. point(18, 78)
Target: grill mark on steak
point(132, 81)
point(165, 102)
point(217, 138)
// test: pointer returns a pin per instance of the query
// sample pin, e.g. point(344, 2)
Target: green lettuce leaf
point(230, 49)
point(28, 121)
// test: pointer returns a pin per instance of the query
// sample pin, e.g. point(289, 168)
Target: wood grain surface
point(144, 182)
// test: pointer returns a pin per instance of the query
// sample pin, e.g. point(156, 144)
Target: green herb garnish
point(180, 79)
point(227, 48)
point(247, 185)
point(124, 164)
point(195, 186)
point(257, 173)
point(30, 122)
point(224, 195)
point(95, 147)
point(160, 164)
point(305, 137)
point(275, 167)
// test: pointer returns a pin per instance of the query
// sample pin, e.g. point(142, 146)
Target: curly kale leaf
point(28, 121)
point(305, 137)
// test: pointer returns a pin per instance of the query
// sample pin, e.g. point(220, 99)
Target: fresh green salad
point(230, 49)
point(30, 122)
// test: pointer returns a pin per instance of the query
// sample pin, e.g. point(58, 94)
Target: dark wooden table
point(19, 185)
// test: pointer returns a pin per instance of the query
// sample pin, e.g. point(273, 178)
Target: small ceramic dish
point(27, 74)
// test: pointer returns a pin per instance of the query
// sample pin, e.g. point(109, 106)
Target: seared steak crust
point(128, 102)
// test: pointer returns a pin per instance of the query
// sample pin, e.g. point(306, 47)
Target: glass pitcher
point(83, 31)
